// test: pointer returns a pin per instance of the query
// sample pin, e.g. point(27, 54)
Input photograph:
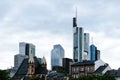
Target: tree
point(37, 78)
point(4, 75)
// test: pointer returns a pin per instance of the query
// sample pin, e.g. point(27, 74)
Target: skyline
point(29, 21)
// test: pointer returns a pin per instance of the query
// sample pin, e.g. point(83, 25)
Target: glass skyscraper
point(94, 53)
point(86, 46)
point(26, 48)
point(57, 54)
point(18, 58)
point(80, 43)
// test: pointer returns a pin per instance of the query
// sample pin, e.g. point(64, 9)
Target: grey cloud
point(35, 21)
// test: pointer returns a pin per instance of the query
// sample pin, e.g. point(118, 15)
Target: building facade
point(57, 54)
point(30, 68)
point(89, 67)
point(82, 68)
point(97, 55)
point(66, 63)
point(26, 48)
point(80, 43)
point(18, 58)
point(86, 46)
point(94, 53)
point(115, 73)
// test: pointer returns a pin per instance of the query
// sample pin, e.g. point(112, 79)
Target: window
point(82, 69)
point(77, 69)
point(88, 69)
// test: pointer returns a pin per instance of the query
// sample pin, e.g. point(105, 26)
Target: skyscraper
point(94, 53)
point(18, 58)
point(57, 54)
point(97, 54)
point(66, 63)
point(80, 43)
point(86, 46)
point(26, 48)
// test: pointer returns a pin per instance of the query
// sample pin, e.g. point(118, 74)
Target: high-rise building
point(57, 54)
point(80, 43)
point(86, 46)
point(67, 64)
point(18, 60)
point(26, 48)
point(94, 53)
point(97, 54)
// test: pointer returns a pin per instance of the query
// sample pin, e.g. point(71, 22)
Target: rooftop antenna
point(76, 14)
point(75, 19)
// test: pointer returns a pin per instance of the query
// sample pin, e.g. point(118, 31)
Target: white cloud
point(48, 22)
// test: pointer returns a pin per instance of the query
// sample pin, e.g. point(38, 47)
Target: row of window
point(87, 69)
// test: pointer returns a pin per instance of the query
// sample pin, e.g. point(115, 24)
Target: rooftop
point(86, 62)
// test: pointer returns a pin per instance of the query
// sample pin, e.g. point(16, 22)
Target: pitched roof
point(43, 60)
point(101, 69)
point(115, 73)
point(23, 69)
point(86, 62)
point(31, 60)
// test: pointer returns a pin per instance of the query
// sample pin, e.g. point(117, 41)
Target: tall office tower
point(66, 63)
point(57, 54)
point(78, 42)
point(97, 55)
point(18, 60)
point(86, 46)
point(94, 53)
point(26, 48)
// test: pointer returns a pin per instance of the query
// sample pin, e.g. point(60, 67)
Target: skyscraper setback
point(80, 43)
point(86, 46)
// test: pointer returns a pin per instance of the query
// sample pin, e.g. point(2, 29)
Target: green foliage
point(35, 78)
point(61, 71)
point(38, 78)
point(108, 77)
point(55, 78)
point(4, 75)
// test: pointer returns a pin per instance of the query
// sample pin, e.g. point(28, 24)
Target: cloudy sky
point(48, 22)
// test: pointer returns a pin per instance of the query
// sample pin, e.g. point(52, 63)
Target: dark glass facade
point(66, 63)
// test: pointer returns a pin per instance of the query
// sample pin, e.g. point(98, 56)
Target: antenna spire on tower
point(75, 19)
point(76, 13)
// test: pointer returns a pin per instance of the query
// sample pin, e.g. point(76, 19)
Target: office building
point(97, 55)
point(86, 46)
point(18, 60)
point(82, 68)
point(26, 48)
point(88, 67)
point(30, 68)
point(57, 54)
point(94, 53)
point(80, 43)
point(67, 64)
